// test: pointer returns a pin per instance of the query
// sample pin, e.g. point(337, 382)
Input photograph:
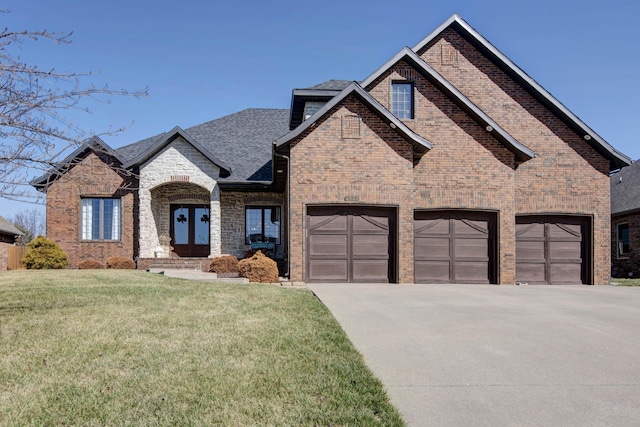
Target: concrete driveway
point(476, 355)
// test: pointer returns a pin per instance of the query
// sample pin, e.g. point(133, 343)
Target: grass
point(123, 348)
point(625, 282)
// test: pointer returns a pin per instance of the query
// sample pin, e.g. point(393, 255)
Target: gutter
point(288, 273)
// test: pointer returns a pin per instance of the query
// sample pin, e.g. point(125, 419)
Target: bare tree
point(36, 130)
point(31, 222)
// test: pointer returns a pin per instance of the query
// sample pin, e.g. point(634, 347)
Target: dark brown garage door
point(455, 247)
point(350, 244)
point(552, 250)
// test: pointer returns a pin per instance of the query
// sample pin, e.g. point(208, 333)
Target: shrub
point(259, 268)
point(121, 263)
point(90, 264)
point(224, 264)
point(44, 254)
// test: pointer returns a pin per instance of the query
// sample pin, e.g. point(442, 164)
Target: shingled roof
point(7, 228)
point(242, 141)
point(625, 189)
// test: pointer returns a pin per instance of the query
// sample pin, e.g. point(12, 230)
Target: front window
point(262, 224)
point(402, 99)
point(623, 239)
point(100, 219)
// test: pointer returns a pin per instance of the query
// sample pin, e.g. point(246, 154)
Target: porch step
point(195, 264)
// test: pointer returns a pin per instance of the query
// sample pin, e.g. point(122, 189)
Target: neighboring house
point(447, 164)
point(625, 222)
point(8, 235)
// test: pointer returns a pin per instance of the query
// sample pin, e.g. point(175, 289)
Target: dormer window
point(310, 108)
point(402, 99)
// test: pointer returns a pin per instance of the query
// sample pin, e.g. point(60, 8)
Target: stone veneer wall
point(232, 205)
point(4, 255)
point(178, 164)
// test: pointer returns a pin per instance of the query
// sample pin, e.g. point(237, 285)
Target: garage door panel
point(565, 251)
point(432, 226)
point(472, 272)
point(531, 273)
point(471, 227)
point(530, 231)
point(328, 244)
point(328, 222)
point(427, 247)
point(530, 251)
point(566, 273)
point(564, 230)
point(370, 244)
point(433, 271)
point(370, 270)
point(370, 223)
point(328, 270)
point(465, 248)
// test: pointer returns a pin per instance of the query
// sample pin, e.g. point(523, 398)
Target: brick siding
point(466, 169)
point(568, 176)
point(91, 177)
point(627, 265)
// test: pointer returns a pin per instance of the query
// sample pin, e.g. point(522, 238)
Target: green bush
point(45, 254)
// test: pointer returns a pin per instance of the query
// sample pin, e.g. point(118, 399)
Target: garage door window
point(262, 224)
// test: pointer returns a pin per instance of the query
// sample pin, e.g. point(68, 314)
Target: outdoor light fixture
point(489, 128)
point(587, 137)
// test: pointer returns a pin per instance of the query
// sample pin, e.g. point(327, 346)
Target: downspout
point(288, 273)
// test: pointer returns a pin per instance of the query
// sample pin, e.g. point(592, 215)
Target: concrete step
point(197, 275)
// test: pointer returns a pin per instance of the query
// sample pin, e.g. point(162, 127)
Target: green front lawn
point(625, 282)
point(111, 347)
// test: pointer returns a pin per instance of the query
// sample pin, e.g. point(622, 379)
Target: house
point(447, 164)
point(625, 222)
point(8, 235)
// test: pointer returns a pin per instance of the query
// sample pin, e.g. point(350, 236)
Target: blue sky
point(202, 60)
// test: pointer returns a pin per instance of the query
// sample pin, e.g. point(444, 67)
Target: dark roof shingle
point(242, 140)
point(625, 189)
point(7, 228)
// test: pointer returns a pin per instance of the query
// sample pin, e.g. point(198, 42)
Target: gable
point(193, 147)
point(179, 161)
point(438, 105)
point(94, 149)
point(420, 145)
point(479, 70)
point(351, 143)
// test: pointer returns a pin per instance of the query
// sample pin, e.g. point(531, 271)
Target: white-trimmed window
point(100, 219)
point(402, 99)
point(624, 246)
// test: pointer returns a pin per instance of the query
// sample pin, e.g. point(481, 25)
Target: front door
point(190, 230)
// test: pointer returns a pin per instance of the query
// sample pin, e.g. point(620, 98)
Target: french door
point(190, 230)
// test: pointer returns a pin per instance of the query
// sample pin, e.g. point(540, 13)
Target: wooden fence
point(14, 261)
